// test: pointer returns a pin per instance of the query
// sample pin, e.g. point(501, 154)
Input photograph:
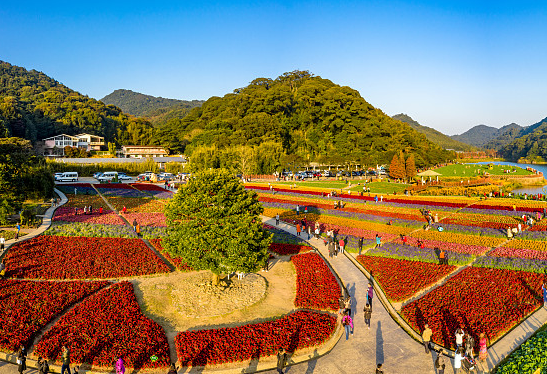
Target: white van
point(69, 176)
point(109, 176)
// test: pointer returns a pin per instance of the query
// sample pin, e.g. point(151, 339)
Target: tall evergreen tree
point(214, 224)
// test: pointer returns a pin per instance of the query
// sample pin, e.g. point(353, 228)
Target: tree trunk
point(216, 279)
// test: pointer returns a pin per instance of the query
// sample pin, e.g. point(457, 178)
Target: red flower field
point(28, 306)
point(284, 249)
point(316, 286)
point(477, 300)
point(215, 346)
point(401, 279)
point(179, 264)
point(104, 327)
point(60, 257)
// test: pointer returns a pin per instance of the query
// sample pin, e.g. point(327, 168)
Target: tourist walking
point(360, 244)
point(544, 291)
point(309, 229)
point(341, 305)
point(124, 210)
point(370, 293)
point(65, 359)
point(134, 224)
point(442, 257)
point(440, 365)
point(458, 358)
point(18, 227)
point(281, 360)
point(277, 219)
point(173, 369)
point(138, 229)
point(347, 306)
point(298, 229)
point(21, 359)
point(2, 242)
point(347, 322)
point(331, 249)
point(378, 241)
point(469, 345)
point(43, 366)
point(342, 244)
point(120, 367)
point(298, 210)
point(368, 314)
point(483, 352)
point(426, 337)
point(459, 337)
point(317, 232)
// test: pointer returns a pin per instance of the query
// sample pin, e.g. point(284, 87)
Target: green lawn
point(382, 187)
point(468, 171)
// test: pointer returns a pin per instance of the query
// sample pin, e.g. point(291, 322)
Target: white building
point(55, 145)
point(141, 151)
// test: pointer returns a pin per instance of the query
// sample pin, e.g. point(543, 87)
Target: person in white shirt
point(2, 243)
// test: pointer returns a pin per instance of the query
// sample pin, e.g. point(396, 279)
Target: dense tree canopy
point(305, 116)
point(22, 175)
point(214, 223)
point(34, 106)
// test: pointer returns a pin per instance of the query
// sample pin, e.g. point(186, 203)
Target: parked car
point(109, 176)
point(97, 175)
point(69, 176)
point(124, 177)
point(56, 176)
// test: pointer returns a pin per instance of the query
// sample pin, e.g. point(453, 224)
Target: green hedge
point(531, 356)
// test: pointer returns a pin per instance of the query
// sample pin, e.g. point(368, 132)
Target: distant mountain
point(157, 109)
point(34, 106)
point(530, 144)
point(435, 136)
point(504, 136)
point(477, 136)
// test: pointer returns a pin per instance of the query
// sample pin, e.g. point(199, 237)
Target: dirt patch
point(180, 301)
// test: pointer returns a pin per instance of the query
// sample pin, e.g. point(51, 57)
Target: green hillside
point(34, 106)
point(437, 137)
point(531, 145)
point(297, 118)
point(157, 109)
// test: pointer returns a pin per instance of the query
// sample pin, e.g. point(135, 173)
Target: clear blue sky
point(448, 64)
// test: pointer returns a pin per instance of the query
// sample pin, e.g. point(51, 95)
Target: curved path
point(386, 342)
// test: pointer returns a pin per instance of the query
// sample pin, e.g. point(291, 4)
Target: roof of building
point(142, 146)
point(56, 136)
point(84, 134)
point(97, 160)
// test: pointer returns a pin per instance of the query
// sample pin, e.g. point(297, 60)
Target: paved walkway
point(386, 342)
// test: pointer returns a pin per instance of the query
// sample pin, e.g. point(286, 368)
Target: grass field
point(468, 171)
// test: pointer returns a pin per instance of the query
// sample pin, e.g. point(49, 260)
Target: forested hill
point(34, 106)
point(435, 136)
point(302, 115)
point(157, 109)
point(530, 144)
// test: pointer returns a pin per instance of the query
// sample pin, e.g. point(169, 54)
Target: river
point(529, 190)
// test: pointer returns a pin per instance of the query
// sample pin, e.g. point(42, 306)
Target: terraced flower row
point(316, 286)
point(69, 214)
point(400, 279)
point(479, 300)
point(104, 327)
point(298, 330)
point(28, 306)
point(59, 257)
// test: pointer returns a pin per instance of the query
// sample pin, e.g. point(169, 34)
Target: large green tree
point(214, 224)
point(23, 175)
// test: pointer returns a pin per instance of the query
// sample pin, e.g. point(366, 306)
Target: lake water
point(529, 190)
